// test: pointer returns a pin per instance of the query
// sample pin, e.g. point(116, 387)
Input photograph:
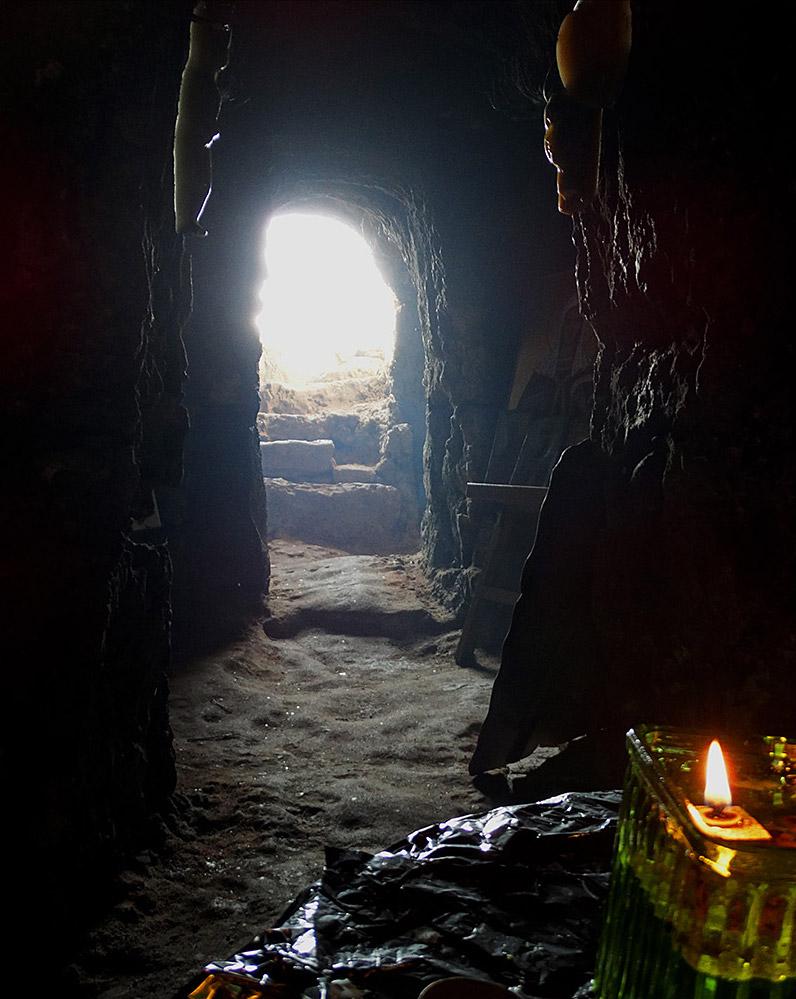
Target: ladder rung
point(527, 498)
point(499, 595)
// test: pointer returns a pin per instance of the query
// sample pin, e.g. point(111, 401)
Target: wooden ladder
point(559, 351)
point(519, 507)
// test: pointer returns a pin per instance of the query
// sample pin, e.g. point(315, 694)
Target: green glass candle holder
point(692, 915)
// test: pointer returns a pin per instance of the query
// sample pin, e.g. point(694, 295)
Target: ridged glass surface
point(691, 916)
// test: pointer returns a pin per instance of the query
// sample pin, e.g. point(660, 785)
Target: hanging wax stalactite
point(592, 54)
point(197, 115)
point(572, 144)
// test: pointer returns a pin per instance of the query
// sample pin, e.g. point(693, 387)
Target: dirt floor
point(342, 721)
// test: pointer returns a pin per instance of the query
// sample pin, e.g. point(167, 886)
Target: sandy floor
point(350, 726)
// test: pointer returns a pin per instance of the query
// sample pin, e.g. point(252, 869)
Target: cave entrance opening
point(336, 459)
point(327, 313)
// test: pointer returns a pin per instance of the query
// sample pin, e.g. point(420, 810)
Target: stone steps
point(313, 499)
point(310, 461)
point(298, 460)
point(357, 517)
point(357, 438)
point(355, 473)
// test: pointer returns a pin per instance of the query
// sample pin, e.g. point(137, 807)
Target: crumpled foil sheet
point(513, 895)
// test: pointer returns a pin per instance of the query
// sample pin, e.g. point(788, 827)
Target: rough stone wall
point(217, 530)
point(90, 387)
point(661, 585)
point(684, 271)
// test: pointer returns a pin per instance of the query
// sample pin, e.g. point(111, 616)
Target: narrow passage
point(343, 722)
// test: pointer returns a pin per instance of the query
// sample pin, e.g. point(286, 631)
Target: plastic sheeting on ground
point(514, 896)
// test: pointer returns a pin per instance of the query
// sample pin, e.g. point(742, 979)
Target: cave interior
point(660, 586)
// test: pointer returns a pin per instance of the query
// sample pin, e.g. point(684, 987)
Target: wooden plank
point(499, 595)
point(528, 498)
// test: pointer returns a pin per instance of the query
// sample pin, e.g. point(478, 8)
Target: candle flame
point(717, 786)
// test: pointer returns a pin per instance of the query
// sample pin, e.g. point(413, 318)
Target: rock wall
point(95, 297)
point(218, 524)
point(693, 303)
point(660, 587)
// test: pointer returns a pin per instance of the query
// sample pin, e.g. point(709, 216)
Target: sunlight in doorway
point(325, 306)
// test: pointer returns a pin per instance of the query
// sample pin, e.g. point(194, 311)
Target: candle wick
point(722, 815)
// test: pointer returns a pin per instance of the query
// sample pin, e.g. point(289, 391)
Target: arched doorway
point(339, 462)
point(327, 313)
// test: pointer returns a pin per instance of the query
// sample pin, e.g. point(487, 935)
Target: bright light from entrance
point(325, 307)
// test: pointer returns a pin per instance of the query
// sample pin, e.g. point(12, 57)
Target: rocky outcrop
point(681, 544)
point(95, 298)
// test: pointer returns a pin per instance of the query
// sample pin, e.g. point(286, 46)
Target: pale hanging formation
point(197, 114)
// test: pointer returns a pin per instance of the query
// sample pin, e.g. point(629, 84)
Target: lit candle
point(718, 816)
point(703, 897)
point(717, 783)
point(718, 796)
